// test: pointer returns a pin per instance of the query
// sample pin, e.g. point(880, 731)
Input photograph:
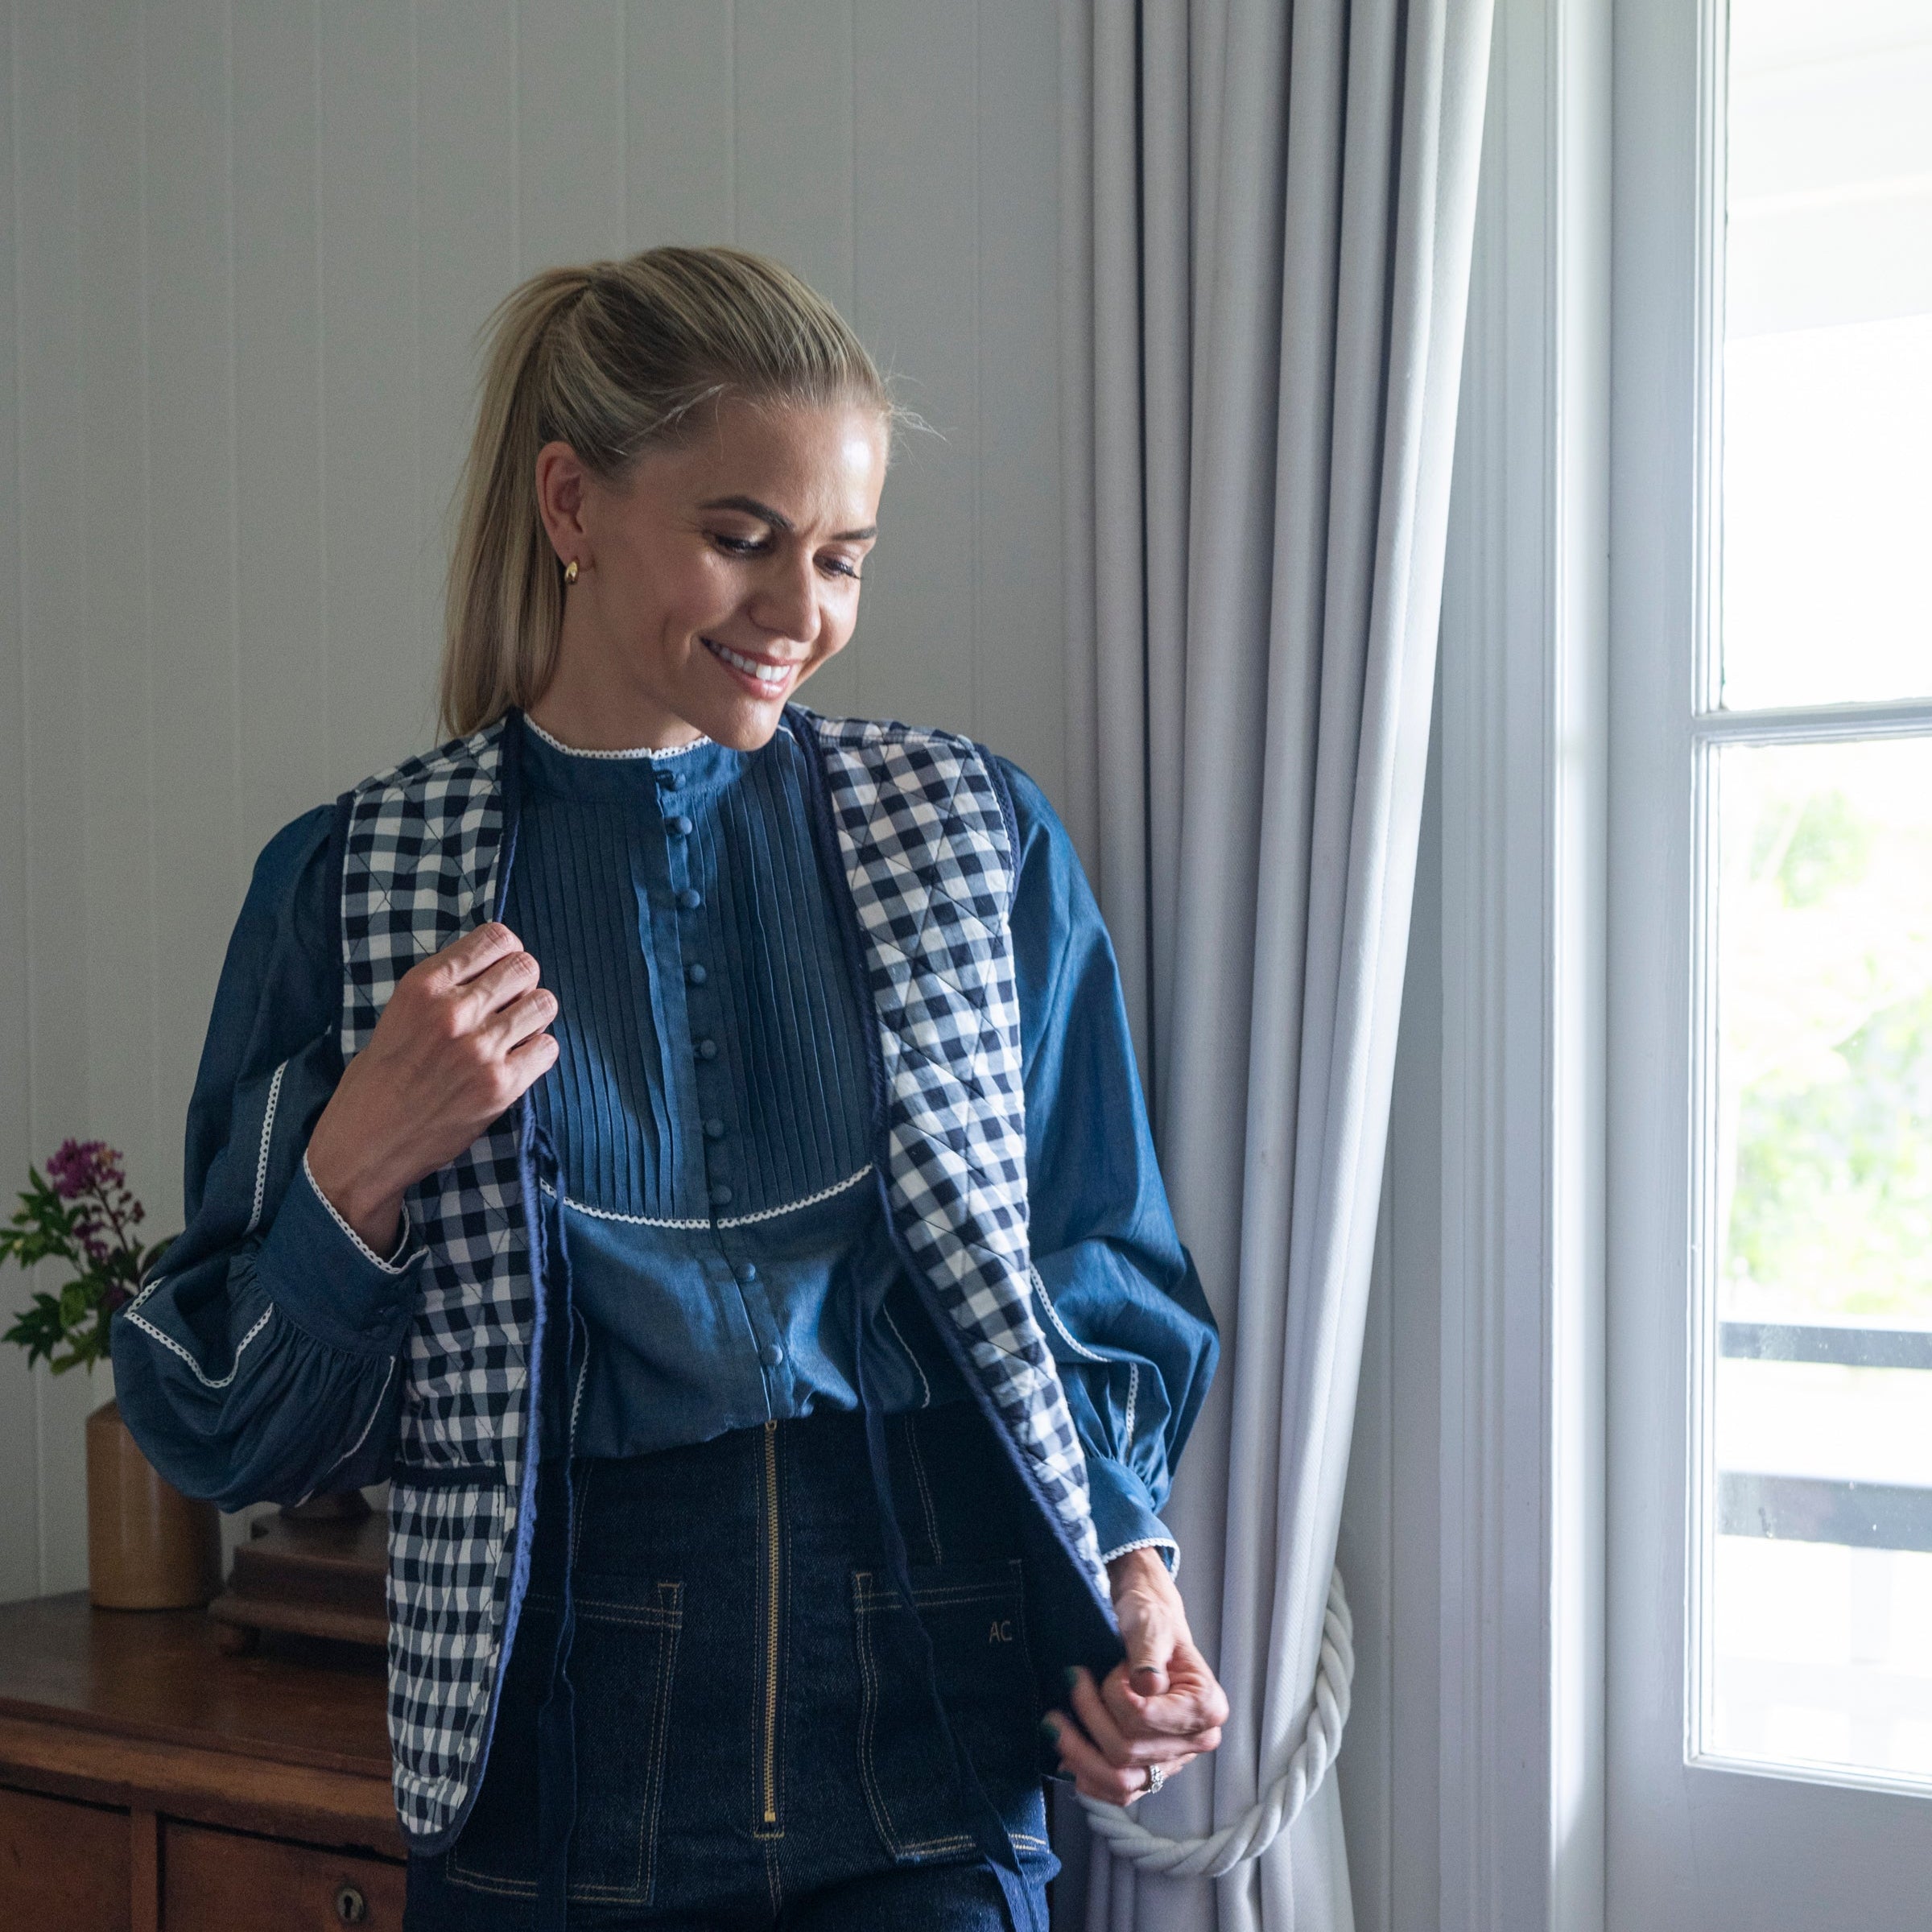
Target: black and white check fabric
point(420, 869)
point(928, 857)
point(927, 851)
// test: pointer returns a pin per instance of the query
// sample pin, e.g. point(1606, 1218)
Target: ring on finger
point(1157, 1776)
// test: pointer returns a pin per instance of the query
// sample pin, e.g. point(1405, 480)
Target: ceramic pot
point(148, 1546)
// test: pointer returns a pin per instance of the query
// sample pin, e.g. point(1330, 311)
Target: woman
point(691, 1147)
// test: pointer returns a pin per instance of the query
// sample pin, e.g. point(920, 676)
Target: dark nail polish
point(1050, 1730)
point(1072, 1675)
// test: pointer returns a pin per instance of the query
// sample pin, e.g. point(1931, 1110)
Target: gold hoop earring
point(570, 571)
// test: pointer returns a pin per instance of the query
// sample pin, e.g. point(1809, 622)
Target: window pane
point(1821, 1578)
point(1827, 484)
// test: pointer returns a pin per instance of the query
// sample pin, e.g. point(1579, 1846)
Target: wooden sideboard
point(149, 1783)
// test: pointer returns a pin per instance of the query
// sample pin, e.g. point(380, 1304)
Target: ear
point(561, 485)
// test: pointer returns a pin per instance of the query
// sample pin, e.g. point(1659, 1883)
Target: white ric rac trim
point(1053, 1315)
point(925, 1386)
point(1170, 1550)
point(132, 1313)
point(268, 1130)
point(724, 1221)
point(369, 1253)
point(636, 751)
point(376, 1410)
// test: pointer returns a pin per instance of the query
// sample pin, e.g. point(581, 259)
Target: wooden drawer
point(63, 1867)
point(239, 1883)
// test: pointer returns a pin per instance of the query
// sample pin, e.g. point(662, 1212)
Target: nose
point(786, 602)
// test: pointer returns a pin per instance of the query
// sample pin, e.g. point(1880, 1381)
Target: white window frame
point(1693, 1842)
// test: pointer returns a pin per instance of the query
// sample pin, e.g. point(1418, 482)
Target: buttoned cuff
point(329, 1282)
point(1124, 1517)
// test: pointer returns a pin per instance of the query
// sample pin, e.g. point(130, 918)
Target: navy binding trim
point(336, 856)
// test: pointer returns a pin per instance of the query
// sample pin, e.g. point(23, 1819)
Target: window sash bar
point(1816, 723)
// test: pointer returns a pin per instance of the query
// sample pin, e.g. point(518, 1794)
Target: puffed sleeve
point(1129, 1327)
point(261, 1360)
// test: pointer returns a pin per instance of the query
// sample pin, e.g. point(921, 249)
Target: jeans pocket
point(627, 1638)
point(974, 1619)
point(623, 1659)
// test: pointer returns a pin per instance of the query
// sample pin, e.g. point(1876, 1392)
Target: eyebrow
point(764, 512)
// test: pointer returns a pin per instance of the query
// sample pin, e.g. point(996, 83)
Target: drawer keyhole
point(352, 1907)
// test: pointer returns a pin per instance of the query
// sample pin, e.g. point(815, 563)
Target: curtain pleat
point(1267, 216)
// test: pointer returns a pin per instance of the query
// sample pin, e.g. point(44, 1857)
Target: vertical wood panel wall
point(244, 247)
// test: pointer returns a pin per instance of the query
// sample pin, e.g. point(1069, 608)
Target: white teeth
point(774, 675)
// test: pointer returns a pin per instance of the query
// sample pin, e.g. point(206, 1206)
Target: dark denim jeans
point(756, 1741)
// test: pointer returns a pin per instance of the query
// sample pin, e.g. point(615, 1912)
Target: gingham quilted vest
point(918, 825)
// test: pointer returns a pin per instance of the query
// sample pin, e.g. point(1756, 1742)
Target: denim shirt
point(264, 1364)
point(711, 1106)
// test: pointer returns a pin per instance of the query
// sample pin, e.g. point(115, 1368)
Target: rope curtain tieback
point(1277, 1808)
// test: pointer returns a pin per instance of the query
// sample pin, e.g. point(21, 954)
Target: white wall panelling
point(247, 246)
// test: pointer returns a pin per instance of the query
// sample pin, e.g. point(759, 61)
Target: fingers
point(1155, 1691)
point(1094, 1773)
point(1191, 1675)
point(1134, 1730)
point(495, 986)
point(1153, 1619)
point(1119, 1747)
point(462, 959)
point(528, 1063)
point(1151, 1641)
point(512, 1025)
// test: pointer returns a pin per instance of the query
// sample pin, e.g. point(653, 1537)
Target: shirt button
point(746, 1271)
point(667, 780)
point(720, 1195)
point(691, 898)
point(714, 1130)
point(678, 826)
point(696, 975)
point(771, 1355)
point(708, 1050)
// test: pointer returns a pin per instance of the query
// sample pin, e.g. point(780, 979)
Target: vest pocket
point(974, 1617)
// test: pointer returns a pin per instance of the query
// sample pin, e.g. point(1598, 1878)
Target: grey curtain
point(1267, 216)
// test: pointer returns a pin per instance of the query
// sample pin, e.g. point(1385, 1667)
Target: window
point(1769, 1303)
point(1811, 1586)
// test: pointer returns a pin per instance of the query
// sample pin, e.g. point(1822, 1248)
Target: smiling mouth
point(764, 677)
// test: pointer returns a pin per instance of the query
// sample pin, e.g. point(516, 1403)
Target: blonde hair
point(614, 359)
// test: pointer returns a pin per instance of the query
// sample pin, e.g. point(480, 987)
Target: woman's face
point(716, 577)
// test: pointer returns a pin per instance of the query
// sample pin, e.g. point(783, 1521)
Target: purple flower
point(90, 1174)
point(79, 1167)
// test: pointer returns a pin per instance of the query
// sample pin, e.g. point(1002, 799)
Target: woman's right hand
point(462, 1036)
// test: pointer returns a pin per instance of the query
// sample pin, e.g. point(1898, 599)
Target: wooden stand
point(315, 1570)
point(146, 1782)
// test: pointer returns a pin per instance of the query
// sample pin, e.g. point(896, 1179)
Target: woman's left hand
point(1159, 1708)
